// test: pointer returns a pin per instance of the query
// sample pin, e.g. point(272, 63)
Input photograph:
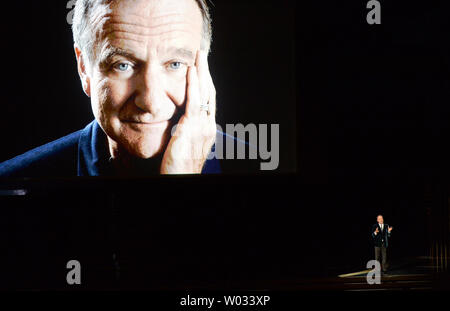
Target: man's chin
point(146, 154)
point(147, 143)
point(144, 148)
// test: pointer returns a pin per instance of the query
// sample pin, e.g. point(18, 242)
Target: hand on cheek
point(195, 134)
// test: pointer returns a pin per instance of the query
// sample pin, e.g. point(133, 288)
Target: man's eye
point(175, 65)
point(123, 67)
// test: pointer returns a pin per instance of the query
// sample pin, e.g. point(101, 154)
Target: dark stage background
point(231, 237)
point(372, 110)
point(385, 88)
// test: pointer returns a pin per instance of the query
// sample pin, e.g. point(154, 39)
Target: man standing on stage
point(381, 233)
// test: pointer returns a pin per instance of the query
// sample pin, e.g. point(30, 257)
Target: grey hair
point(86, 36)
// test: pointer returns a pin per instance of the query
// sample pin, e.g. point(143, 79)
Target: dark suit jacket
point(382, 238)
point(83, 153)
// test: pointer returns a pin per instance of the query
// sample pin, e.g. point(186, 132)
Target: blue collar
point(93, 154)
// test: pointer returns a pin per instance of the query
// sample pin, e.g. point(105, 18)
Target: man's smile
point(136, 123)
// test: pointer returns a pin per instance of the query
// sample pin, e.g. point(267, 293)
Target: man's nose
point(151, 93)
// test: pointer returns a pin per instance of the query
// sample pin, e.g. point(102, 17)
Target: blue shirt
point(83, 153)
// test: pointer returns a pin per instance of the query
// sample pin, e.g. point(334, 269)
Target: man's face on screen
point(138, 81)
point(380, 219)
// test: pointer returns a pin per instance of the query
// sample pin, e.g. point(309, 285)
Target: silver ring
point(204, 108)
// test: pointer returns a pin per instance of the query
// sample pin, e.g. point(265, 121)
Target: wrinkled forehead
point(138, 24)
